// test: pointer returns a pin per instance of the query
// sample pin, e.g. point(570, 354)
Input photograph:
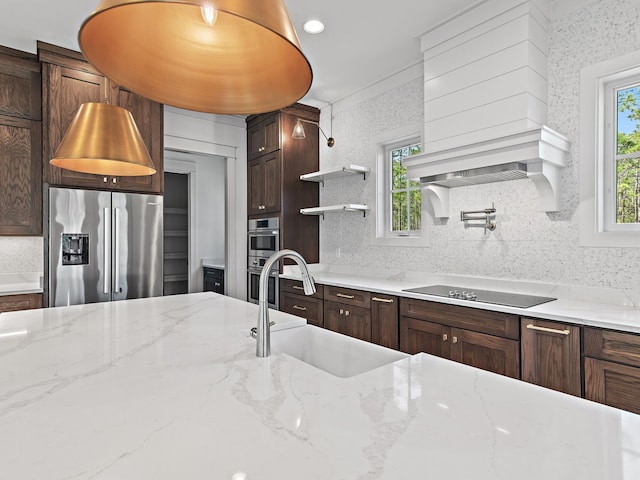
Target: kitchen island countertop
point(170, 388)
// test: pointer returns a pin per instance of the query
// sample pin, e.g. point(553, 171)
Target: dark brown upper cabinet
point(68, 81)
point(20, 144)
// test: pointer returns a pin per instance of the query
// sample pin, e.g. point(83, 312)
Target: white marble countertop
point(584, 306)
point(19, 283)
point(171, 388)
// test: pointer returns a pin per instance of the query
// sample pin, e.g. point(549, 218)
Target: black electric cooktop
point(484, 296)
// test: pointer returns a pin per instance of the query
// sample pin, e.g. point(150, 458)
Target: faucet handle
point(254, 330)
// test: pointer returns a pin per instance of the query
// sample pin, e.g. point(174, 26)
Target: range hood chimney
point(486, 103)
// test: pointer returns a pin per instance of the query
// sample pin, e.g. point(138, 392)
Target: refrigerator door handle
point(107, 249)
point(116, 240)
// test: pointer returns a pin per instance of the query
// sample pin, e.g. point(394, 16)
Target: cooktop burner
point(485, 296)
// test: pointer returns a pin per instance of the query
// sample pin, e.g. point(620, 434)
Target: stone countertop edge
point(570, 310)
point(20, 283)
point(213, 263)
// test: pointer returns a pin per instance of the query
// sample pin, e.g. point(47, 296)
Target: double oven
point(263, 240)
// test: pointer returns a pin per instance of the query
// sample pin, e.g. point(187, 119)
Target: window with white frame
point(622, 156)
point(404, 195)
point(610, 153)
point(399, 205)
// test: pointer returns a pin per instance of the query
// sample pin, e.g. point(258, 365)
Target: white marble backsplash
point(21, 254)
point(528, 245)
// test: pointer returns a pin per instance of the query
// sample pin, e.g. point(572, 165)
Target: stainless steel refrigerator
point(103, 246)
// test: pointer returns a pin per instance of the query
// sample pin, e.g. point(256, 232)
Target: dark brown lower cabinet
point(612, 368)
point(303, 306)
point(613, 384)
point(25, 301)
point(348, 320)
point(384, 320)
point(488, 352)
point(550, 355)
point(489, 340)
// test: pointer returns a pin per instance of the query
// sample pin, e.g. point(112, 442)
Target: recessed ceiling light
point(313, 26)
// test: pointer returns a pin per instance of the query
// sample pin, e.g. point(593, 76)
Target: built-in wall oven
point(263, 240)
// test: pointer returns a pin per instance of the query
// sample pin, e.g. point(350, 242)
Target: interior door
point(137, 245)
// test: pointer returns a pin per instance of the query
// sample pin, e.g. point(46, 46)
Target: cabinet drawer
point(302, 306)
point(348, 296)
point(612, 384)
point(11, 303)
point(609, 345)
point(295, 286)
point(484, 321)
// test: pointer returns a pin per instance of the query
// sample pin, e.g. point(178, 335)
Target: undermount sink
point(332, 352)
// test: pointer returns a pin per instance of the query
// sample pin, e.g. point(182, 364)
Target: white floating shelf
point(321, 176)
point(348, 207)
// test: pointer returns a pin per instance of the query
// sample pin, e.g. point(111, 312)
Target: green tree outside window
point(628, 156)
point(405, 194)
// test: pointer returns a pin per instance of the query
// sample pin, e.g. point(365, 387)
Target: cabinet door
point(21, 182)
point(263, 136)
point(255, 190)
point(148, 116)
point(494, 354)
point(384, 320)
point(348, 320)
point(303, 306)
point(612, 384)
point(11, 303)
point(421, 336)
point(550, 354)
point(272, 183)
point(64, 90)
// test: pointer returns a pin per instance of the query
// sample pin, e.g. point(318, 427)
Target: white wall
point(527, 244)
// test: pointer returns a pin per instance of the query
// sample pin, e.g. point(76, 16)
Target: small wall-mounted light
point(298, 131)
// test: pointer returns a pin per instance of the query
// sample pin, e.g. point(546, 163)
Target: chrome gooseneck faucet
point(263, 333)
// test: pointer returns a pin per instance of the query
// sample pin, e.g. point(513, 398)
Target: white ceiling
point(364, 41)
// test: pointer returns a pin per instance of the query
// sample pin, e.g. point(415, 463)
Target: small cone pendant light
point(103, 139)
point(216, 56)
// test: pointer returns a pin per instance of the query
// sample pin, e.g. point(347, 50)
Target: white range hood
point(485, 103)
point(537, 154)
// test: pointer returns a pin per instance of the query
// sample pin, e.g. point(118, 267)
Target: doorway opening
point(176, 233)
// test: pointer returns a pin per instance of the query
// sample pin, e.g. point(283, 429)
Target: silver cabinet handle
point(445, 337)
point(454, 339)
point(343, 295)
point(382, 300)
point(297, 287)
point(116, 240)
point(296, 307)
point(107, 250)
point(548, 330)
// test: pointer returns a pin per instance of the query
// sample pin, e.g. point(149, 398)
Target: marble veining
point(170, 387)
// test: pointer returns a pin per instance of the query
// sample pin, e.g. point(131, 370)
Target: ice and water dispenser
point(75, 249)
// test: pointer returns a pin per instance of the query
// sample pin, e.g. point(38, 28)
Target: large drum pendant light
point(216, 56)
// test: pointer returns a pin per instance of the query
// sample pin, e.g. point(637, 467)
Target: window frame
point(388, 172)
point(598, 136)
point(381, 231)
